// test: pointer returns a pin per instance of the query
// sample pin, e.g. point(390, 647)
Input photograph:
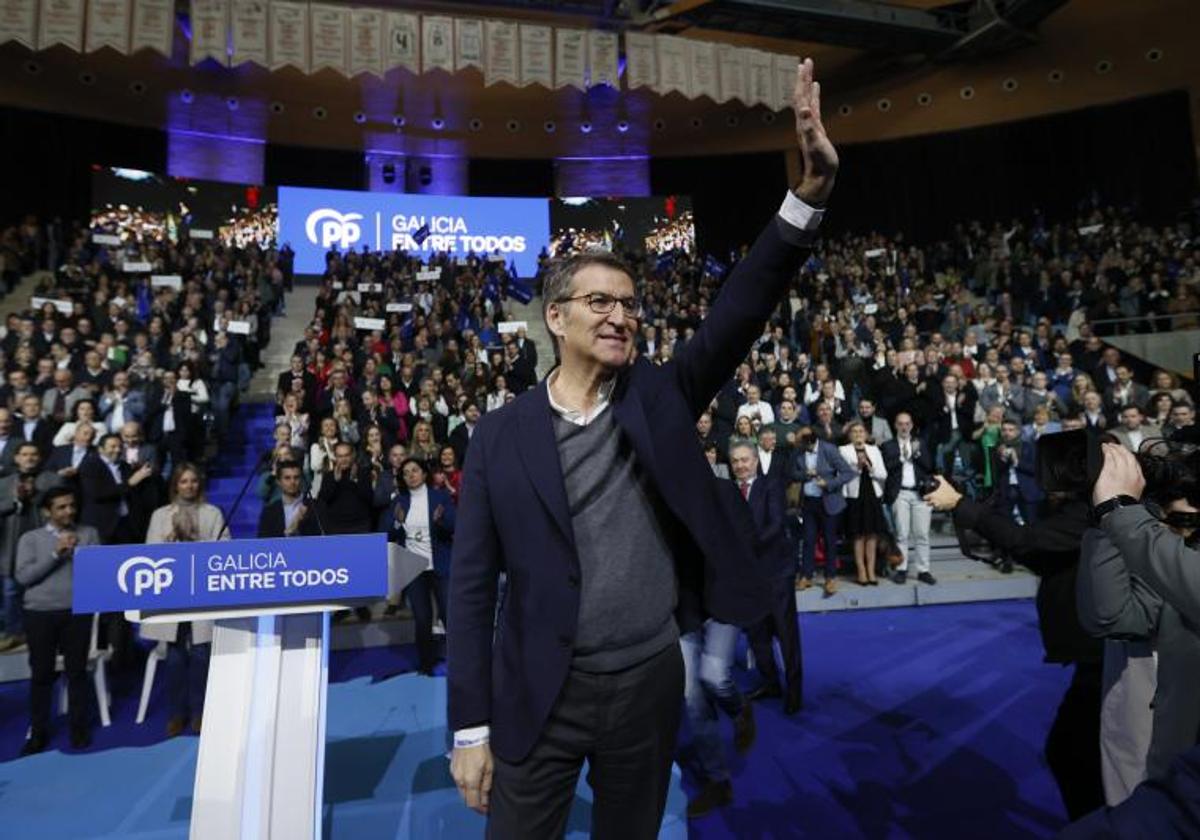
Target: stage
point(919, 723)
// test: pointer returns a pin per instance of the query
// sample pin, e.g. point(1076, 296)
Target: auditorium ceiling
point(877, 85)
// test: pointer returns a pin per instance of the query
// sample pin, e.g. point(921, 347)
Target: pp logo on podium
point(149, 575)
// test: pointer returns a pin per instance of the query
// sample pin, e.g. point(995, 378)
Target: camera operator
point(1050, 549)
point(1150, 710)
point(1168, 806)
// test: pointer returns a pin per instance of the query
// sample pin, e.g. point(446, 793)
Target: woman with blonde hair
point(424, 448)
point(865, 523)
point(187, 518)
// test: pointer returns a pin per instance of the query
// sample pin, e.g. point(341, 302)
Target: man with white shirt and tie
point(105, 484)
point(66, 460)
point(170, 416)
point(119, 404)
point(909, 465)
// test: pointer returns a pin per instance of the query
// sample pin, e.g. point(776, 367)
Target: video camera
point(1070, 462)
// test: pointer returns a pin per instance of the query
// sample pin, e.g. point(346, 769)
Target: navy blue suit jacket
point(514, 516)
point(441, 531)
point(832, 467)
point(768, 507)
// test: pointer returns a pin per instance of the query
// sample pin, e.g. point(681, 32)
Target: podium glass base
point(259, 773)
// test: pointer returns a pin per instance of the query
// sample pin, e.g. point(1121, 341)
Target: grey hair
point(560, 273)
point(741, 444)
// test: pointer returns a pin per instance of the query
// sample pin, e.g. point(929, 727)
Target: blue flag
point(421, 234)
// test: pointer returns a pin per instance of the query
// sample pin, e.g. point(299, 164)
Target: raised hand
point(817, 153)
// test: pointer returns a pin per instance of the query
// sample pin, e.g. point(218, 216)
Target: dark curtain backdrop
point(50, 158)
point(1138, 153)
point(304, 166)
point(732, 195)
point(531, 178)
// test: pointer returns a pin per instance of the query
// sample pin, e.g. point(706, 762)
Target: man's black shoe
point(34, 745)
point(766, 691)
point(81, 737)
point(900, 577)
point(744, 730)
point(925, 577)
point(712, 796)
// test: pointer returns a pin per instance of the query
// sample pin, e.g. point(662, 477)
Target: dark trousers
point(625, 725)
point(780, 624)
point(48, 633)
point(420, 594)
point(187, 674)
point(1073, 745)
point(817, 521)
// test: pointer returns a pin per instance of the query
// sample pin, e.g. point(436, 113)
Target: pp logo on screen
point(148, 575)
point(326, 227)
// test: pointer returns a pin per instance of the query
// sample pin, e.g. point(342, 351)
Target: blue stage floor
point(921, 722)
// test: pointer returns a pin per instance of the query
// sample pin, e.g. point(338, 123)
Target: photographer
point(1050, 548)
point(1150, 710)
point(1168, 806)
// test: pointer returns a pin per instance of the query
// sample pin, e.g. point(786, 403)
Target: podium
point(260, 768)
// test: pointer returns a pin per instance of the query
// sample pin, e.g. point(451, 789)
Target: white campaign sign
point(506, 327)
point(361, 323)
point(399, 307)
point(172, 281)
point(106, 239)
point(136, 267)
point(64, 307)
point(199, 233)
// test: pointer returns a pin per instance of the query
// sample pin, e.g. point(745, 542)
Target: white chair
point(97, 663)
point(155, 656)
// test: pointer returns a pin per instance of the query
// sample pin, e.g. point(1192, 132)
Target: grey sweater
point(628, 590)
point(46, 576)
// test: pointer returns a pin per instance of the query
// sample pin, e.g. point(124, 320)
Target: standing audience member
point(822, 473)
point(864, 509)
point(44, 568)
point(20, 512)
point(186, 518)
point(909, 465)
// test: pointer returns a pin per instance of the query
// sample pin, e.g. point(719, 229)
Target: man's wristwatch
point(1109, 505)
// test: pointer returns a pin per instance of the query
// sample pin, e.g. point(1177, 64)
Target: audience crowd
point(888, 364)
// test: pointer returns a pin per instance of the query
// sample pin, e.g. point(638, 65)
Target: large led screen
point(315, 222)
point(650, 225)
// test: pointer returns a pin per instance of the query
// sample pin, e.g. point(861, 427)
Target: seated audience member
point(422, 521)
point(44, 569)
point(186, 518)
point(292, 514)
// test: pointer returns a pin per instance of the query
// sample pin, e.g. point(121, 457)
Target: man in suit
point(708, 651)
point(822, 473)
point(528, 348)
point(1133, 432)
point(296, 370)
point(605, 516)
point(1014, 465)
point(952, 420)
point(770, 459)
point(421, 519)
point(778, 558)
point(909, 467)
point(120, 404)
point(9, 442)
point(66, 460)
point(19, 512)
point(460, 438)
point(290, 515)
point(346, 496)
point(169, 420)
point(878, 430)
point(1124, 392)
point(44, 568)
point(105, 487)
point(58, 402)
point(32, 427)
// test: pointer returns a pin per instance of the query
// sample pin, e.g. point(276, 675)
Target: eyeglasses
point(603, 304)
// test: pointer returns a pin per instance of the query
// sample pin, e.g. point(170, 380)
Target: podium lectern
point(259, 773)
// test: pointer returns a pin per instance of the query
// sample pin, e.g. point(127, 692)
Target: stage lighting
point(622, 126)
point(186, 97)
point(586, 127)
point(438, 123)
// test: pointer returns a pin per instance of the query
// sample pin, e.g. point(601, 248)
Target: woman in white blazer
point(864, 510)
point(188, 518)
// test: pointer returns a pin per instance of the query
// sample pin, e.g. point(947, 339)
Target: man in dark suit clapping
point(291, 515)
point(591, 492)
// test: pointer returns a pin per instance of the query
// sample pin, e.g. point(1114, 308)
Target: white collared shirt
point(417, 536)
point(764, 460)
point(571, 415)
point(908, 473)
